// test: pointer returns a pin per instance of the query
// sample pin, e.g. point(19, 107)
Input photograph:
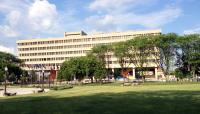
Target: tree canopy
point(13, 63)
point(81, 67)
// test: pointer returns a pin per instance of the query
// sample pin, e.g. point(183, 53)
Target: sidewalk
point(21, 91)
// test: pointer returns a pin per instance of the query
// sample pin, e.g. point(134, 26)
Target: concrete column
point(56, 69)
point(56, 75)
point(39, 76)
point(113, 71)
point(156, 73)
point(133, 73)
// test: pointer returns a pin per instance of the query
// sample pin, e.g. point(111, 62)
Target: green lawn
point(112, 99)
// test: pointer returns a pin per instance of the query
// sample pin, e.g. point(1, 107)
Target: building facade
point(50, 53)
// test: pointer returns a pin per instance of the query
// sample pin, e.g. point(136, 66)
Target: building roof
point(82, 34)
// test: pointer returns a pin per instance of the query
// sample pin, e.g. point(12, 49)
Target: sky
point(27, 19)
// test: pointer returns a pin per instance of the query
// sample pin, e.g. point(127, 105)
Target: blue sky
point(26, 19)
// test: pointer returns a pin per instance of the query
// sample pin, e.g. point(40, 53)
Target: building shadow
point(152, 102)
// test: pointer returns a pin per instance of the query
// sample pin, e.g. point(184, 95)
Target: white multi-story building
point(52, 52)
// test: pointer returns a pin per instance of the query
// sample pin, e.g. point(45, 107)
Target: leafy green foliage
point(102, 52)
point(1, 76)
point(188, 52)
point(100, 70)
point(120, 51)
point(10, 61)
point(140, 49)
point(61, 87)
point(117, 73)
point(182, 73)
point(80, 68)
point(167, 48)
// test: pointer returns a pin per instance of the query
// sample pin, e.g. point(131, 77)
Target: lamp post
point(30, 75)
point(42, 79)
point(5, 78)
point(21, 82)
point(49, 80)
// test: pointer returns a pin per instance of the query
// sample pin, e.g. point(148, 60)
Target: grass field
point(109, 99)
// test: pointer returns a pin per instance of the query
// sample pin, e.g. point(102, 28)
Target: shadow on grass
point(157, 102)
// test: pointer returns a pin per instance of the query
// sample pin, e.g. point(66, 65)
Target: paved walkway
point(21, 91)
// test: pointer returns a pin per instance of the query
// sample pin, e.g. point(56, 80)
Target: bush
point(61, 87)
point(182, 73)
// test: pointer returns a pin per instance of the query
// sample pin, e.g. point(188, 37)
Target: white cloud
point(28, 17)
point(111, 21)
point(116, 5)
point(119, 15)
point(157, 19)
point(192, 31)
point(6, 5)
point(7, 49)
point(13, 18)
point(42, 14)
point(6, 31)
point(102, 23)
point(23, 19)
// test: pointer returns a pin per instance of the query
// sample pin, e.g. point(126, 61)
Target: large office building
point(50, 53)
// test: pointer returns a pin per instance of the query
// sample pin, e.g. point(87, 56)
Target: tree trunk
point(91, 79)
point(193, 74)
point(100, 81)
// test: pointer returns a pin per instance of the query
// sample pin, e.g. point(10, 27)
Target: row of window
point(83, 39)
point(46, 59)
point(59, 47)
point(43, 66)
point(50, 59)
point(68, 58)
point(54, 53)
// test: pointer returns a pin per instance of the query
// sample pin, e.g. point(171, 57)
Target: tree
point(81, 67)
point(12, 62)
point(103, 52)
point(1, 76)
point(99, 71)
point(72, 69)
point(117, 73)
point(181, 73)
point(120, 51)
point(140, 51)
point(33, 76)
point(188, 52)
point(89, 66)
point(12, 77)
point(167, 48)
point(16, 72)
point(24, 77)
point(194, 57)
point(75, 68)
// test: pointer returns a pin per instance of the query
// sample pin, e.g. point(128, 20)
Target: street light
point(49, 79)
point(21, 82)
point(5, 78)
point(30, 75)
point(42, 79)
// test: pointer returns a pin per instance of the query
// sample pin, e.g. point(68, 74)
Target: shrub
point(61, 87)
point(181, 73)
